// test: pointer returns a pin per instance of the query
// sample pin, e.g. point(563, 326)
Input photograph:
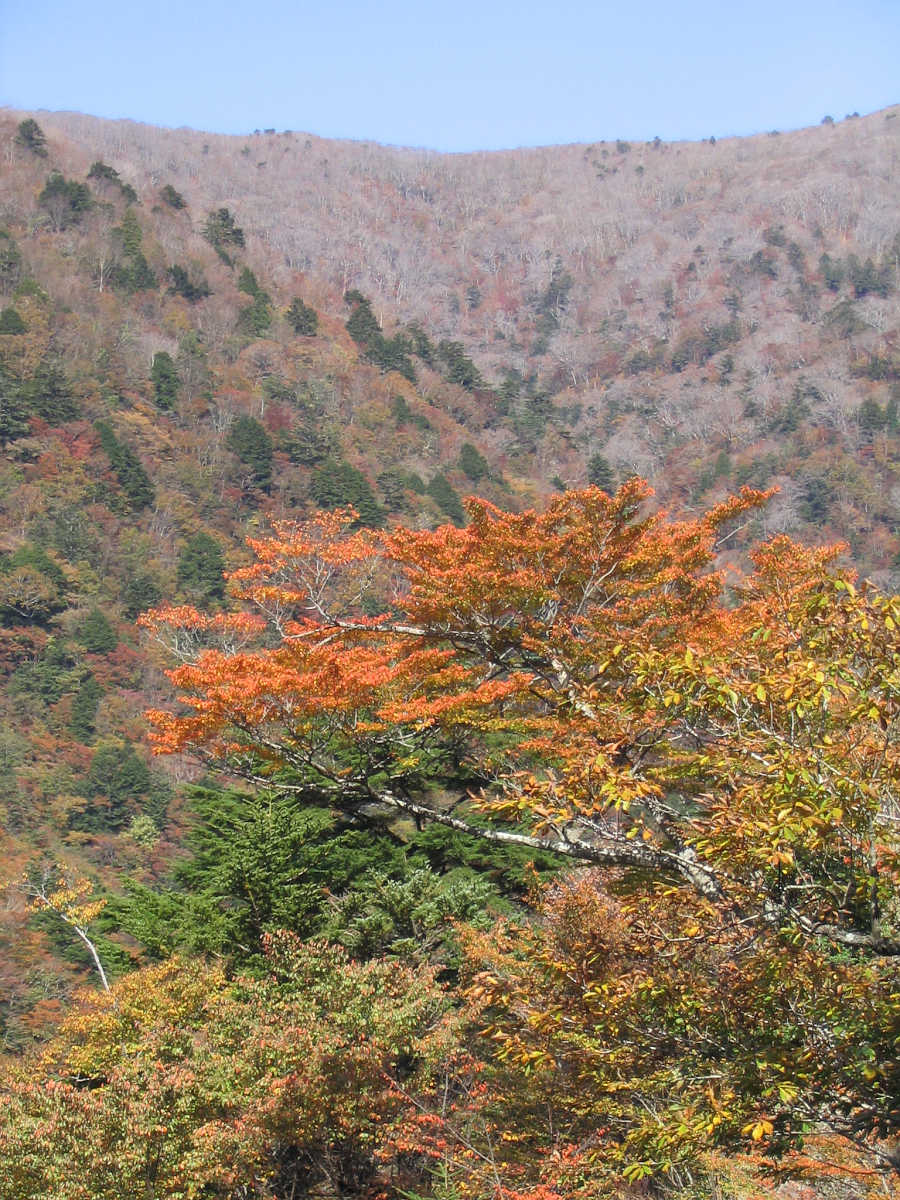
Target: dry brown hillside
point(669, 295)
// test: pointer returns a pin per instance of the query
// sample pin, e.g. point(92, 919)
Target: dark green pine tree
point(472, 463)
point(192, 285)
point(117, 783)
point(201, 566)
point(336, 483)
point(460, 368)
point(253, 446)
point(391, 354)
point(174, 199)
point(48, 394)
point(11, 322)
point(303, 319)
point(31, 137)
point(255, 319)
point(362, 324)
point(447, 498)
point(127, 467)
point(247, 282)
point(261, 861)
point(13, 409)
point(10, 262)
point(65, 200)
point(222, 233)
point(96, 634)
point(257, 863)
point(164, 376)
point(892, 410)
point(140, 592)
point(83, 714)
point(600, 473)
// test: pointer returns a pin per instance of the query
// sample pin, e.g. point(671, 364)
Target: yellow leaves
point(758, 1129)
point(70, 901)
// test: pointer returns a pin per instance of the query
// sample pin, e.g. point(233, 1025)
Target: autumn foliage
point(711, 749)
point(179, 1083)
point(612, 690)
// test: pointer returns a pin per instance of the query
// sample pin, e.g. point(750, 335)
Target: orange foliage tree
point(588, 680)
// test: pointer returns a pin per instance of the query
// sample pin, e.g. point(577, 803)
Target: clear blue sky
point(459, 76)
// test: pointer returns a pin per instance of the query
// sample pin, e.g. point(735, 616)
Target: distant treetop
point(30, 136)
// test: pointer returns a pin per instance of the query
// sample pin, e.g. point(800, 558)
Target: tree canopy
point(728, 752)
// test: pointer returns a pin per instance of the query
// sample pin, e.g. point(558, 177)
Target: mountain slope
point(704, 314)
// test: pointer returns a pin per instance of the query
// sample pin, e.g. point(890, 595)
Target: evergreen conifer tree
point(96, 634)
point(164, 376)
point(83, 714)
point(447, 498)
point(201, 566)
point(600, 473)
point(303, 319)
point(133, 479)
point(472, 463)
point(336, 483)
point(253, 446)
point(31, 137)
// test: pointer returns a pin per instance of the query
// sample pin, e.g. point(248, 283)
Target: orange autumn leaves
point(514, 607)
point(604, 692)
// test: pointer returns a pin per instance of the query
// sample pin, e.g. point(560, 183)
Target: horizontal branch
point(853, 939)
point(621, 852)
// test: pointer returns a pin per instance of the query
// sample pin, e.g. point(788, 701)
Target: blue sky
point(460, 76)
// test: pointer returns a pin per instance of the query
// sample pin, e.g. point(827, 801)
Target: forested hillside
point(204, 337)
